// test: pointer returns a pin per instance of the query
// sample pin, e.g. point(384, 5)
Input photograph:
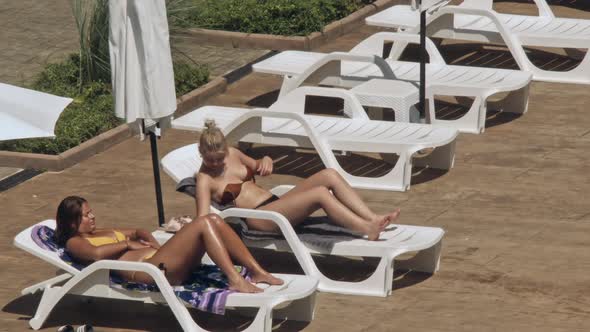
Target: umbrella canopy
point(28, 113)
point(141, 63)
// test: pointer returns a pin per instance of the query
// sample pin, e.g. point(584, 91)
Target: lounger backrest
point(374, 45)
point(542, 6)
point(330, 66)
point(24, 240)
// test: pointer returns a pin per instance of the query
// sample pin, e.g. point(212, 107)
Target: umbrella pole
point(423, 55)
point(157, 182)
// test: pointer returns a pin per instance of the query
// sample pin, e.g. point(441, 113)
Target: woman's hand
point(146, 238)
point(136, 245)
point(152, 244)
point(264, 166)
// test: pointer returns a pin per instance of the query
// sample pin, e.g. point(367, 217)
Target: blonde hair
point(212, 139)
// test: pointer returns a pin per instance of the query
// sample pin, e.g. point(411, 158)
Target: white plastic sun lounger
point(475, 20)
point(363, 62)
point(396, 240)
point(285, 123)
point(294, 300)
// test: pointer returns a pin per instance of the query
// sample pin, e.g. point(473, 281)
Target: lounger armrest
point(374, 44)
point(301, 253)
point(151, 270)
point(510, 39)
point(544, 9)
point(349, 56)
point(320, 67)
point(108, 264)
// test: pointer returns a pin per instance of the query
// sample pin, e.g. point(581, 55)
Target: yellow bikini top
point(102, 240)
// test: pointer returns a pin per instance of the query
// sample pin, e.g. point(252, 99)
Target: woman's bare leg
point(297, 206)
point(238, 251)
point(183, 252)
point(332, 180)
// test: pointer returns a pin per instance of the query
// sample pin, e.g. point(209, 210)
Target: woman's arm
point(141, 235)
point(262, 166)
point(81, 249)
point(202, 194)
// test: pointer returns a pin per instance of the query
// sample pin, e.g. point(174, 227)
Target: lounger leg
point(52, 295)
point(398, 178)
point(50, 298)
point(300, 310)
point(471, 122)
point(47, 283)
point(427, 260)
point(443, 157)
point(378, 284)
point(580, 74)
point(262, 321)
point(575, 53)
point(517, 101)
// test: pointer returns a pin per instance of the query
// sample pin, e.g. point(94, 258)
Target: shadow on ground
point(77, 310)
point(303, 163)
point(497, 56)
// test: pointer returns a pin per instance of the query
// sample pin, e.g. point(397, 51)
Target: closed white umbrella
point(141, 63)
point(141, 69)
point(28, 113)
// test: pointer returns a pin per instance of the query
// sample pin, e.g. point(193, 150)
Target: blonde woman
point(227, 176)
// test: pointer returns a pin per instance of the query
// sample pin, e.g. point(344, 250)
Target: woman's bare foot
point(266, 278)
point(392, 216)
point(243, 286)
point(375, 228)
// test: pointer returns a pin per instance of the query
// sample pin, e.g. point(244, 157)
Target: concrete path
point(514, 207)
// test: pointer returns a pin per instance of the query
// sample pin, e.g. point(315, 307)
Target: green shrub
point(91, 113)
point(280, 17)
point(188, 77)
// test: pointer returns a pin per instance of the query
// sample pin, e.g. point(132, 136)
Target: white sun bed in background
point(294, 300)
point(475, 20)
point(395, 241)
point(363, 63)
point(284, 123)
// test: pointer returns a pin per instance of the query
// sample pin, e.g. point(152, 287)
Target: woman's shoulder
point(204, 180)
point(201, 176)
point(233, 151)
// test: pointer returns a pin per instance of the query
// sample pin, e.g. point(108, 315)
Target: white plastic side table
point(400, 96)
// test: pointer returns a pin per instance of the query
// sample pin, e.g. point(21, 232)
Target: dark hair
point(69, 212)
